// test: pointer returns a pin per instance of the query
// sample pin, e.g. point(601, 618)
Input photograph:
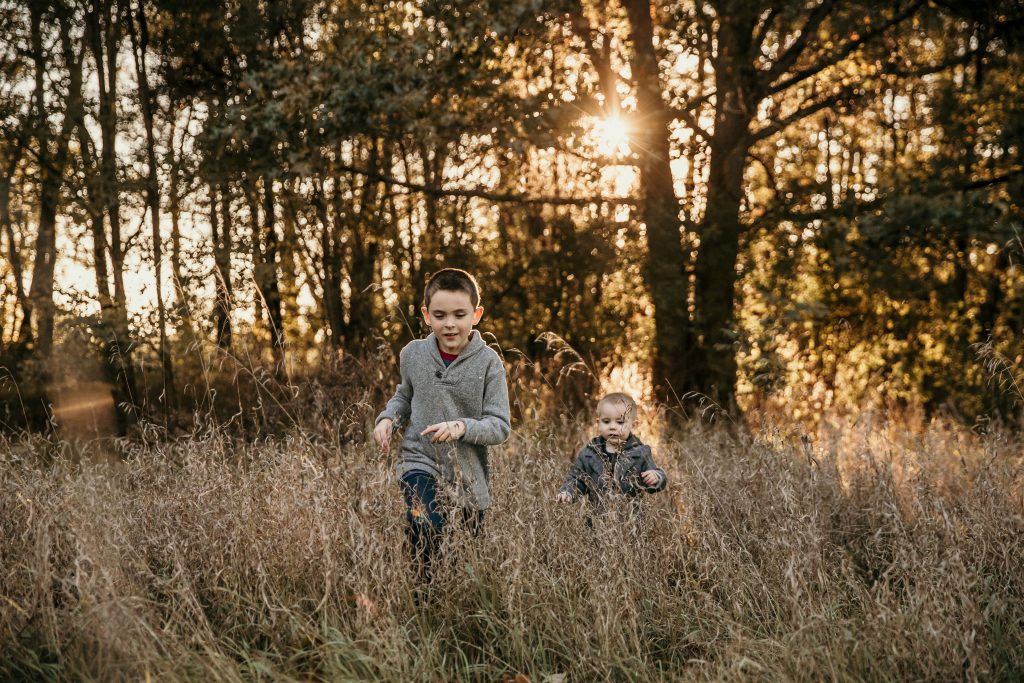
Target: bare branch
point(846, 50)
point(762, 28)
point(600, 59)
point(929, 69)
point(789, 57)
point(804, 112)
point(851, 94)
point(855, 208)
point(690, 120)
point(994, 180)
point(497, 197)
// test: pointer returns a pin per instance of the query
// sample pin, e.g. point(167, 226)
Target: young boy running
point(454, 400)
point(614, 461)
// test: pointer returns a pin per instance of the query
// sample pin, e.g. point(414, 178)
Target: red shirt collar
point(449, 357)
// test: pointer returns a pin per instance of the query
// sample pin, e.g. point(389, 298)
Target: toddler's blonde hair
point(619, 397)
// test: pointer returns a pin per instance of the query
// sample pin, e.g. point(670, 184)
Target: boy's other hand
point(445, 431)
point(650, 477)
point(563, 497)
point(382, 433)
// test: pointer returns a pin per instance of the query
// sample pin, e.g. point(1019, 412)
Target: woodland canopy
point(807, 204)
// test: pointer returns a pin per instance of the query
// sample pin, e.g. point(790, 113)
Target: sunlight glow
point(610, 136)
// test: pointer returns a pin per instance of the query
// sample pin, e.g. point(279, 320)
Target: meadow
point(877, 550)
point(217, 222)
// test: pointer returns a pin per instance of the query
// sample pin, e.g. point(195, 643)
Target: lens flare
point(610, 136)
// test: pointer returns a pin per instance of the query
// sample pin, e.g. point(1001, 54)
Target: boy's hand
point(382, 433)
point(650, 477)
point(563, 497)
point(446, 431)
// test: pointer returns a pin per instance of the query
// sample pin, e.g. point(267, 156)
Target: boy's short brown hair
point(623, 399)
point(452, 280)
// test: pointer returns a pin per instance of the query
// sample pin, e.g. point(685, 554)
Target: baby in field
point(615, 461)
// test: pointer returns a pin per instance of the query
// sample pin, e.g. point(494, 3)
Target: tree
point(139, 33)
point(51, 152)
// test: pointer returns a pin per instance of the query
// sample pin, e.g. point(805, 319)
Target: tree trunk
point(182, 310)
point(424, 244)
point(13, 249)
point(362, 268)
point(40, 312)
point(666, 265)
point(99, 254)
point(363, 260)
point(288, 255)
point(220, 227)
point(267, 276)
point(140, 42)
point(104, 33)
point(716, 264)
point(92, 196)
point(431, 239)
point(330, 247)
point(720, 230)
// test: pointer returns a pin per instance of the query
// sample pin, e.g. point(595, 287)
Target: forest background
point(813, 206)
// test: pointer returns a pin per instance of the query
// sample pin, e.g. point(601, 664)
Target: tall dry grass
point(877, 552)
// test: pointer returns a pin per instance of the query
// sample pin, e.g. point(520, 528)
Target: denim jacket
point(587, 476)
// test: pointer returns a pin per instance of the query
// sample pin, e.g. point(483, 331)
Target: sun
point(610, 136)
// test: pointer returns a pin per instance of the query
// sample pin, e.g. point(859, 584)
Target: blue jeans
point(425, 521)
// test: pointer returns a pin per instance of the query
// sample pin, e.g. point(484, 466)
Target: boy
point(614, 461)
point(454, 398)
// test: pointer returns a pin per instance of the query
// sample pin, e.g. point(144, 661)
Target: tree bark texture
point(666, 265)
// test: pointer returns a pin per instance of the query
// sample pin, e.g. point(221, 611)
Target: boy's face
point(614, 422)
point(451, 316)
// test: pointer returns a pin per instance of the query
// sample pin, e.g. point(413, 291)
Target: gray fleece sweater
point(471, 389)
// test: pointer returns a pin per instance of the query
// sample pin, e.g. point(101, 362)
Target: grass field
point(878, 551)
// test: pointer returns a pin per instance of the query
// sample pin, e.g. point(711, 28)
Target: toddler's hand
point(650, 477)
point(446, 431)
point(382, 433)
point(563, 497)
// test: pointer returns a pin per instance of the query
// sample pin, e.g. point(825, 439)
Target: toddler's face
point(614, 422)
point(451, 316)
